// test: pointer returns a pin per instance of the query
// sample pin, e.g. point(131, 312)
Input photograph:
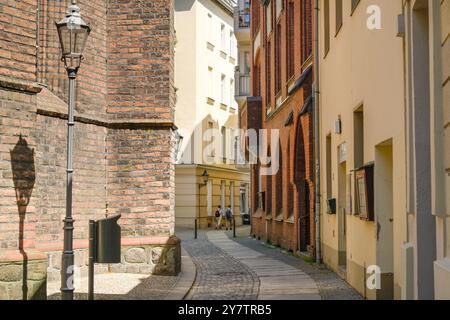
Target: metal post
point(92, 253)
point(316, 89)
point(234, 227)
point(67, 265)
point(195, 229)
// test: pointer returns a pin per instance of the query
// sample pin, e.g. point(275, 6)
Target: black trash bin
point(246, 219)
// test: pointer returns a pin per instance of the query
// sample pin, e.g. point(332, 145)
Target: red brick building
point(281, 75)
point(124, 137)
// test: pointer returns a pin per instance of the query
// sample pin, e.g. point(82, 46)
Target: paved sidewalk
point(219, 276)
point(227, 267)
point(330, 285)
point(127, 286)
point(278, 280)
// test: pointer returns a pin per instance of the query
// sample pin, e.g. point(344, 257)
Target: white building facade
point(205, 61)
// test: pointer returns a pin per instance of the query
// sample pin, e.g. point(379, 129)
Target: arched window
point(288, 184)
point(279, 185)
point(268, 188)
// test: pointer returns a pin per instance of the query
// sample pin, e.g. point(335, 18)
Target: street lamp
point(205, 177)
point(73, 33)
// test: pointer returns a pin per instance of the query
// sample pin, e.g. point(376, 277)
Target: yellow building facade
point(362, 138)
point(384, 128)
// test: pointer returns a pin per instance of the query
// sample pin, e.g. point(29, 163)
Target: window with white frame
point(231, 44)
point(209, 197)
point(223, 133)
point(223, 38)
point(222, 193)
point(211, 82)
point(209, 139)
point(223, 89)
point(231, 92)
point(210, 29)
point(232, 195)
point(243, 203)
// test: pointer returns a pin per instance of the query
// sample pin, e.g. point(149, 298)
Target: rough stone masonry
point(124, 139)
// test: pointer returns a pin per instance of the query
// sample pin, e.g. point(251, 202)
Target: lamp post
point(73, 33)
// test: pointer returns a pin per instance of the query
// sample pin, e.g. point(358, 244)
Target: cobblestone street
point(244, 268)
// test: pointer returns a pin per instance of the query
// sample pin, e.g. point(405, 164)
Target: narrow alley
point(243, 268)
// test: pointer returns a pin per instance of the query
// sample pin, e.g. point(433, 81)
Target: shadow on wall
point(24, 177)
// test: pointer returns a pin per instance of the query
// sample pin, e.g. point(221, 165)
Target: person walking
point(229, 217)
point(218, 217)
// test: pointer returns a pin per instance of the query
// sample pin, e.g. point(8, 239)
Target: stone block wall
point(23, 276)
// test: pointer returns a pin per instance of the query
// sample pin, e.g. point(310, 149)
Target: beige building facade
point(426, 252)
point(384, 128)
point(206, 113)
point(362, 138)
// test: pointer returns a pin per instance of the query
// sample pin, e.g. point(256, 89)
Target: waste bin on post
point(104, 245)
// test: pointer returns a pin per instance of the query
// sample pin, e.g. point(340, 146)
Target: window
point(358, 137)
point(269, 18)
point(290, 190)
point(223, 94)
point(211, 82)
point(365, 193)
point(231, 44)
point(210, 139)
point(338, 15)
point(246, 62)
point(354, 4)
point(278, 60)
point(290, 40)
point(243, 203)
point(256, 6)
point(222, 193)
point(279, 186)
point(268, 73)
point(223, 40)
point(257, 81)
point(326, 21)
point(269, 195)
point(329, 167)
point(261, 201)
point(224, 143)
point(210, 29)
point(306, 27)
point(231, 92)
point(232, 195)
point(209, 188)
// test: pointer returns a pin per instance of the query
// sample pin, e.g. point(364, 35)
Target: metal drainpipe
point(38, 27)
point(316, 131)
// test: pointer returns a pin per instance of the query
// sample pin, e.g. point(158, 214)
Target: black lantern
point(73, 33)
point(205, 177)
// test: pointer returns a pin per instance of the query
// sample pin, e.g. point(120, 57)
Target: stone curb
point(187, 278)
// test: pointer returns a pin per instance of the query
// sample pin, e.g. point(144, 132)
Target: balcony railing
point(244, 18)
point(242, 84)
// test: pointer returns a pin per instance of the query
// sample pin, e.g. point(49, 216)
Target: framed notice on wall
point(365, 193)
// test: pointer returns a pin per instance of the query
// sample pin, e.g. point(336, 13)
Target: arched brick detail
point(303, 190)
